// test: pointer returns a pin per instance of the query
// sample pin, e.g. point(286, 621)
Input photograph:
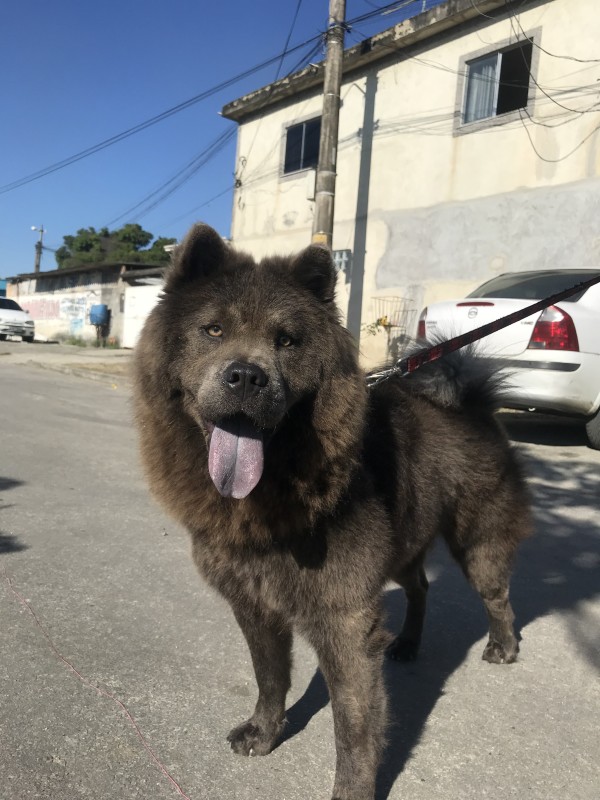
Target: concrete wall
point(431, 208)
point(64, 313)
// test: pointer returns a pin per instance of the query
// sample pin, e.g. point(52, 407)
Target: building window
point(302, 146)
point(498, 83)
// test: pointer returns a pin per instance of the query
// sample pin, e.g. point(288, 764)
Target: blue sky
point(77, 72)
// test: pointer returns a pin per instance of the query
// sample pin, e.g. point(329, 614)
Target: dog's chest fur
point(340, 563)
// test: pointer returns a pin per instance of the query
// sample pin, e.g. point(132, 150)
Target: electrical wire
point(179, 179)
point(306, 60)
point(435, 122)
point(429, 126)
point(464, 73)
point(564, 157)
point(59, 165)
point(539, 47)
point(147, 209)
point(199, 161)
point(294, 69)
point(289, 36)
point(202, 205)
point(388, 8)
point(534, 80)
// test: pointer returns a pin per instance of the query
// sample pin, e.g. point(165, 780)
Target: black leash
point(409, 364)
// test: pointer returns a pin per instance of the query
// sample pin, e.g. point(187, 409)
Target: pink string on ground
point(97, 689)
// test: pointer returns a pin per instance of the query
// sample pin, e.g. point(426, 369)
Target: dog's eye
point(214, 330)
point(284, 340)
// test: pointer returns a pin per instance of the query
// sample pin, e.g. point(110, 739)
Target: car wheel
point(28, 339)
point(2, 337)
point(592, 428)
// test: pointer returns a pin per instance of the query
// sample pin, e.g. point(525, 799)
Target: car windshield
point(534, 285)
point(9, 304)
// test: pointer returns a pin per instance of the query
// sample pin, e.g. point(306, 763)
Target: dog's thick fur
point(355, 486)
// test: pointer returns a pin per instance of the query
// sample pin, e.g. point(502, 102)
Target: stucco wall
point(64, 313)
point(430, 208)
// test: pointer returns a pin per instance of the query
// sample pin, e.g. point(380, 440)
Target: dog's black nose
point(245, 379)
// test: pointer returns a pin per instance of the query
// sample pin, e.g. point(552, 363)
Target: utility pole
point(322, 232)
point(39, 246)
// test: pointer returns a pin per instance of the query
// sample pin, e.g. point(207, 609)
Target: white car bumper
point(567, 382)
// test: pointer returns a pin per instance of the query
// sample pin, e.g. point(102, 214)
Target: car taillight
point(554, 330)
point(421, 333)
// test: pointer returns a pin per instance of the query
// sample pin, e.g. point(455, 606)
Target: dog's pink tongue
point(235, 457)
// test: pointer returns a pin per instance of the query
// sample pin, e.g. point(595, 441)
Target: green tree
point(156, 253)
point(128, 244)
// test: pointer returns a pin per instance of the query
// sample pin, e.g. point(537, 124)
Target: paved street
point(114, 593)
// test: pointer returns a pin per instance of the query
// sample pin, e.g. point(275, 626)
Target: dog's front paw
point(250, 739)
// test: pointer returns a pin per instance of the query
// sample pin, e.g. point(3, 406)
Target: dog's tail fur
point(459, 380)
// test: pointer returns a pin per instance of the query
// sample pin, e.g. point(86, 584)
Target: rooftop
point(120, 265)
point(409, 32)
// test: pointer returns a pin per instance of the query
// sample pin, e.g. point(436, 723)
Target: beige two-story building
point(469, 145)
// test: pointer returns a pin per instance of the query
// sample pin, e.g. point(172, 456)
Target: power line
point(59, 165)
point(149, 122)
point(180, 177)
point(289, 36)
point(513, 19)
point(169, 192)
point(539, 47)
point(464, 73)
point(593, 109)
point(303, 62)
point(200, 160)
point(290, 72)
point(562, 158)
point(391, 8)
point(202, 205)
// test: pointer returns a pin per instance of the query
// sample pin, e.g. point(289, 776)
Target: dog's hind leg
point(270, 641)
point(488, 567)
point(413, 580)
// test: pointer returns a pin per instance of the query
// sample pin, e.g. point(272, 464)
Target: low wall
point(65, 314)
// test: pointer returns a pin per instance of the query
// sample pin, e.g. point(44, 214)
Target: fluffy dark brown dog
point(304, 492)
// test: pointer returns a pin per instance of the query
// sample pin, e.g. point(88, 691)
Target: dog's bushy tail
point(460, 380)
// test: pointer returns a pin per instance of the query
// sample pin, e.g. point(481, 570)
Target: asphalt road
point(115, 596)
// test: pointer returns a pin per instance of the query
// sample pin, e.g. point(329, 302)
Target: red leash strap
point(411, 363)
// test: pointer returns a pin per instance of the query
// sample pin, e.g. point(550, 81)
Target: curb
point(112, 379)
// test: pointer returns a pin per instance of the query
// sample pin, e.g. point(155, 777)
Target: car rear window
point(534, 285)
point(9, 304)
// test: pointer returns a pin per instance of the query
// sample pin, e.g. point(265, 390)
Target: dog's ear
point(314, 269)
point(201, 253)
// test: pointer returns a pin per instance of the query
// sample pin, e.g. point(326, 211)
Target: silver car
point(552, 357)
point(14, 321)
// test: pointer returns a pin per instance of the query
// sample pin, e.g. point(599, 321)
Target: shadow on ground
point(557, 570)
point(8, 541)
point(547, 429)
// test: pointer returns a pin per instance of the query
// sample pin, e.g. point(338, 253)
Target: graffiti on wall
point(68, 313)
point(72, 307)
point(54, 308)
point(73, 310)
point(42, 308)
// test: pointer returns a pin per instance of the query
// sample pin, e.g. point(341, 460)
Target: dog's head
point(246, 342)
